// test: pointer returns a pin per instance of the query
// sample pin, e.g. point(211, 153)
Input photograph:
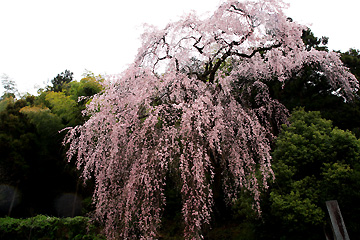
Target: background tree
point(60, 80)
point(69, 102)
point(16, 140)
point(89, 85)
point(311, 41)
point(313, 162)
point(9, 85)
point(206, 127)
point(351, 59)
point(64, 107)
point(32, 157)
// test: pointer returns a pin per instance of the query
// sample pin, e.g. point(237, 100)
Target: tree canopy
point(194, 108)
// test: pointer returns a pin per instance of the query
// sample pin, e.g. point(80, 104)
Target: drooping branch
point(147, 125)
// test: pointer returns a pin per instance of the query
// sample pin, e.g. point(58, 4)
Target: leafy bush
point(314, 162)
point(44, 227)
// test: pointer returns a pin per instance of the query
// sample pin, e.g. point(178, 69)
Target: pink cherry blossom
point(194, 104)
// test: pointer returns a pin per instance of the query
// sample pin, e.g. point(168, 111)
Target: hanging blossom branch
point(194, 106)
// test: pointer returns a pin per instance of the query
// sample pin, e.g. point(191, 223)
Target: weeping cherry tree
point(194, 107)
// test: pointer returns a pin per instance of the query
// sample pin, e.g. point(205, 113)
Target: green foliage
point(297, 208)
point(17, 140)
point(351, 59)
point(68, 101)
point(243, 208)
point(63, 106)
point(44, 227)
point(29, 161)
point(311, 41)
point(309, 88)
point(47, 123)
point(32, 157)
point(313, 163)
point(4, 103)
point(88, 86)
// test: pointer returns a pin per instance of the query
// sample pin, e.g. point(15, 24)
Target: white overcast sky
point(41, 38)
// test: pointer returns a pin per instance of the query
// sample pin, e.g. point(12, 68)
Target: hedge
point(45, 228)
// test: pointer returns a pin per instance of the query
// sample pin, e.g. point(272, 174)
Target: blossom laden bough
point(207, 117)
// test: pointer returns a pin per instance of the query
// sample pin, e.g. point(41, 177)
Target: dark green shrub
point(44, 227)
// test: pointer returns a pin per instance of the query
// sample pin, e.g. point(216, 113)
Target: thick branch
point(236, 9)
point(200, 49)
point(213, 69)
point(262, 49)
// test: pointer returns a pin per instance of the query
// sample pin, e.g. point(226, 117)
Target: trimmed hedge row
point(46, 228)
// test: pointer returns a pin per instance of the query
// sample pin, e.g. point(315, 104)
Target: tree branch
point(213, 69)
point(256, 51)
